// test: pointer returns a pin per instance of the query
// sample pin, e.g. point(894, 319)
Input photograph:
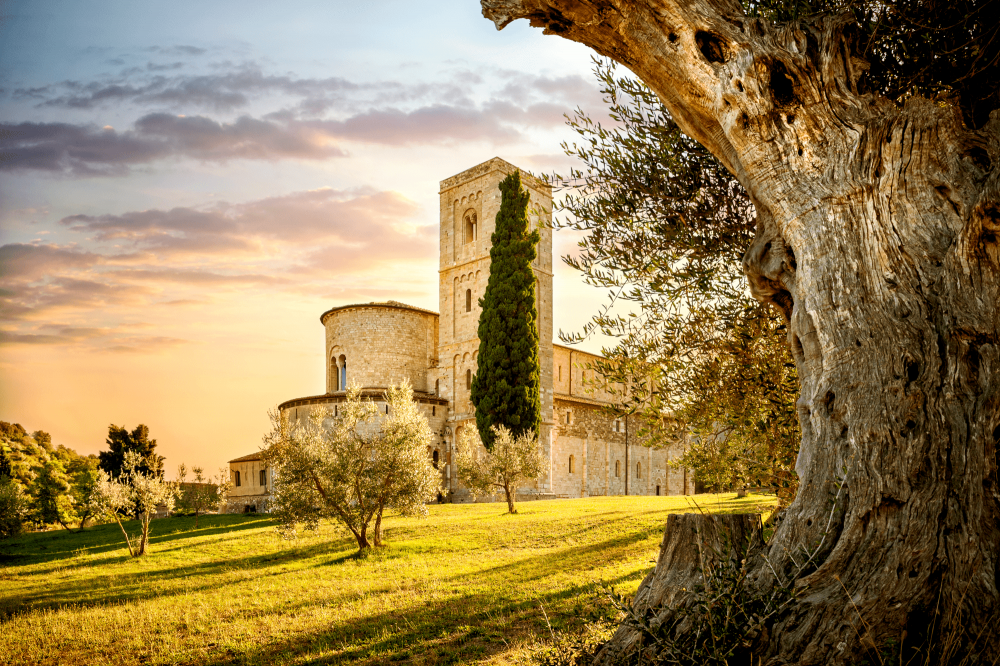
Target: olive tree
point(511, 461)
point(868, 141)
point(352, 467)
point(204, 493)
point(134, 492)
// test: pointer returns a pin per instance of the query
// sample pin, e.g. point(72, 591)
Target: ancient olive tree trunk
point(877, 240)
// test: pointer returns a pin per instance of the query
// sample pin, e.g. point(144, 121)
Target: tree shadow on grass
point(464, 629)
point(60, 545)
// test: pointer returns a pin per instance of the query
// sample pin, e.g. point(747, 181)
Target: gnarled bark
point(878, 241)
point(692, 546)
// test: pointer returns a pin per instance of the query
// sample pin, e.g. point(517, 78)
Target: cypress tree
point(506, 390)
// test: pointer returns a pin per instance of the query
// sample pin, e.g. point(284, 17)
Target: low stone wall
point(240, 504)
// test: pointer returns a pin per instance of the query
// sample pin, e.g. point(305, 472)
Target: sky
point(186, 186)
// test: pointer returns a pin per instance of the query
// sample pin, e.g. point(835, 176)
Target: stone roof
point(249, 457)
point(377, 304)
point(494, 164)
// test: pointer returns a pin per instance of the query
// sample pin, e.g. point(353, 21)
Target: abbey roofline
point(389, 305)
point(495, 164)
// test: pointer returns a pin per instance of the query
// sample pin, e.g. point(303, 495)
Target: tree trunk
point(692, 545)
point(378, 529)
point(362, 537)
point(877, 241)
point(510, 499)
point(144, 539)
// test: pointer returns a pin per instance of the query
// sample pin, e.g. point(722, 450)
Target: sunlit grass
point(464, 585)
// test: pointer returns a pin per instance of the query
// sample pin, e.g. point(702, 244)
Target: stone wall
point(596, 441)
point(382, 344)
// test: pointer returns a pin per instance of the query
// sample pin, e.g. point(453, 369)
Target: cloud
point(346, 218)
point(139, 261)
point(88, 150)
point(22, 261)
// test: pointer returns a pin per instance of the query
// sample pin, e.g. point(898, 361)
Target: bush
point(13, 507)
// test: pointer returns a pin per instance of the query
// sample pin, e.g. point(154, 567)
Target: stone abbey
point(376, 345)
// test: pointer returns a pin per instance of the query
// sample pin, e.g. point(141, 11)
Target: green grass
point(463, 585)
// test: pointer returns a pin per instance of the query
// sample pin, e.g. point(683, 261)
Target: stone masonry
point(591, 452)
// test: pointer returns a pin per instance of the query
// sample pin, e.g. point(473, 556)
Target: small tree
point(13, 507)
point(120, 441)
point(134, 491)
point(50, 495)
point(82, 494)
point(511, 461)
point(507, 388)
point(205, 493)
point(350, 468)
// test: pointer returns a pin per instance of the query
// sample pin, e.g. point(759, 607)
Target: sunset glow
point(185, 188)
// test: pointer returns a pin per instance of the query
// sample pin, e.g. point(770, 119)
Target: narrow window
point(336, 410)
point(263, 478)
point(434, 411)
point(386, 408)
point(618, 468)
point(638, 471)
point(237, 473)
point(569, 417)
point(468, 301)
point(437, 387)
point(571, 463)
point(435, 459)
point(560, 373)
point(343, 373)
point(657, 489)
point(470, 226)
point(468, 378)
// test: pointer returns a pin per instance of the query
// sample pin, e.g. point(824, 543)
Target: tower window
point(571, 463)
point(434, 410)
point(470, 226)
point(342, 373)
point(569, 417)
point(468, 300)
point(618, 468)
point(468, 378)
point(437, 387)
point(638, 471)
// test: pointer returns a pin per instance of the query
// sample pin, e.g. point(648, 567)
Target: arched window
point(468, 378)
point(468, 300)
point(470, 226)
point(571, 463)
point(618, 468)
point(657, 489)
point(236, 474)
point(434, 460)
point(638, 471)
point(342, 366)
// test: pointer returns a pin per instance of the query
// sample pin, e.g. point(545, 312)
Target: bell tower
point(469, 205)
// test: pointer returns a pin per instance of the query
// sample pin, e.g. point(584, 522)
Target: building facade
point(376, 345)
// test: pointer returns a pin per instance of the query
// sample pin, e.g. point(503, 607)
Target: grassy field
point(464, 585)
